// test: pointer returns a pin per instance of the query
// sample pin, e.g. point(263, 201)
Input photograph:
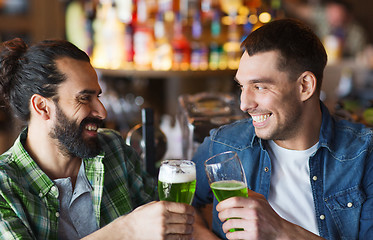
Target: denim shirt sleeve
point(203, 193)
point(366, 218)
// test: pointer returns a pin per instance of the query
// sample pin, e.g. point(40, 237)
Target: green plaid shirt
point(29, 198)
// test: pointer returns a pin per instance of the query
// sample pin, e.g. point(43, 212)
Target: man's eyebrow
point(87, 91)
point(257, 80)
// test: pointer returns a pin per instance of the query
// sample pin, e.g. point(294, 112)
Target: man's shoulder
point(107, 133)
point(7, 161)
point(351, 140)
point(110, 138)
point(353, 131)
point(237, 134)
point(113, 144)
point(10, 171)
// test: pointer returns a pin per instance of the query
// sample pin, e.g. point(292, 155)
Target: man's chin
point(263, 135)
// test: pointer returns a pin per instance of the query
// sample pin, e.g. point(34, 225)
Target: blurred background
point(179, 57)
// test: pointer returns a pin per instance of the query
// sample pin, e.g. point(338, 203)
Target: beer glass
point(177, 181)
point(226, 177)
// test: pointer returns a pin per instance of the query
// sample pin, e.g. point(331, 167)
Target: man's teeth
point(260, 118)
point(91, 127)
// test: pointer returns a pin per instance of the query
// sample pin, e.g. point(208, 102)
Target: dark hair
point(300, 49)
point(25, 71)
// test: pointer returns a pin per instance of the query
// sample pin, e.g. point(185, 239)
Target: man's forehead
point(80, 76)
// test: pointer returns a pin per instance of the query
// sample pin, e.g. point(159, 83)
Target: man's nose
point(247, 100)
point(99, 110)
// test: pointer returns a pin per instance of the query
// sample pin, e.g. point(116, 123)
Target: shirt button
point(322, 217)
point(40, 194)
point(266, 169)
point(53, 188)
point(314, 178)
point(349, 204)
point(57, 214)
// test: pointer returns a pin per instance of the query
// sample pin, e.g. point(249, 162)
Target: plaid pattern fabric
point(29, 199)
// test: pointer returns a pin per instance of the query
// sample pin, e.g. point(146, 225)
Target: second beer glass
point(177, 181)
point(226, 176)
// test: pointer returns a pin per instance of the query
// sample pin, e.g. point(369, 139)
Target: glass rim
point(218, 154)
point(188, 162)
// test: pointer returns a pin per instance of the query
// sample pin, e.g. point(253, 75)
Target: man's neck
point(45, 152)
point(308, 129)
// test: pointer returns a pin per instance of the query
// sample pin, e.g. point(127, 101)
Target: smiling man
point(65, 177)
point(310, 175)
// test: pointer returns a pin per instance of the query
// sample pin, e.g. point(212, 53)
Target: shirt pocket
point(345, 208)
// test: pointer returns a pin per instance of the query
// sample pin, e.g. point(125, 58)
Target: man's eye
point(84, 98)
point(259, 87)
point(239, 86)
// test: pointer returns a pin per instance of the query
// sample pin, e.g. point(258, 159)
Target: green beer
point(226, 189)
point(177, 181)
point(177, 192)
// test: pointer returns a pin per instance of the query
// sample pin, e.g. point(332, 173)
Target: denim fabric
point(341, 173)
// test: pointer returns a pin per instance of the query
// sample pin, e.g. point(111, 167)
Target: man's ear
point(307, 85)
point(40, 106)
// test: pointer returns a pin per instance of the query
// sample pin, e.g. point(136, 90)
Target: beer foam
point(169, 175)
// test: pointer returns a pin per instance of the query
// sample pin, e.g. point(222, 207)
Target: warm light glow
point(226, 20)
point(241, 19)
point(253, 19)
point(243, 11)
point(265, 17)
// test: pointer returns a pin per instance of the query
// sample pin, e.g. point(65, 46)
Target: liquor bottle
point(125, 10)
point(232, 48)
point(199, 52)
point(128, 46)
point(216, 55)
point(78, 25)
point(162, 57)
point(108, 51)
point(143, 42)
point(180, 46)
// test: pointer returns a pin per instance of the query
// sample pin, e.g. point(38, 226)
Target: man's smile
point(259, 118)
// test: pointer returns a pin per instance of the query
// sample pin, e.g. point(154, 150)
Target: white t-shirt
point(290, 194)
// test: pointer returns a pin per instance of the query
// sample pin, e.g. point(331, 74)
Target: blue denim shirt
point(341, 173)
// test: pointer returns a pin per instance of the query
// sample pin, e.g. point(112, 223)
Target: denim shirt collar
point(326, 131)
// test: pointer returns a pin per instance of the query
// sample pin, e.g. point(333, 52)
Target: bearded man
point(65, 177)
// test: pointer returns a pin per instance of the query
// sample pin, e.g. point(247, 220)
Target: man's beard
point(70, 138)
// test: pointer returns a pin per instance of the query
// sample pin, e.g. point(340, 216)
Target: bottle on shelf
point(162, 57)
point(199, 51)
point(143, 41)
point(180, 45)
point(232, 47)
point(217, 59)
point(108, 51)
point(128, 47)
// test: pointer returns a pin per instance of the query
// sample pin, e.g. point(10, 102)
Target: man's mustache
point(92, 120)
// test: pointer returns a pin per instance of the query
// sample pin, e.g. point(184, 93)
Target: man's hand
point(258, 220)
point(160, 220)
point(152, 221)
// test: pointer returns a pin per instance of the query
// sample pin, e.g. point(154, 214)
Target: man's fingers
point(178, 237)
point(178, 207)
point(179, 229)
point(233, 202)
point(239, 202)
point(179, 218)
